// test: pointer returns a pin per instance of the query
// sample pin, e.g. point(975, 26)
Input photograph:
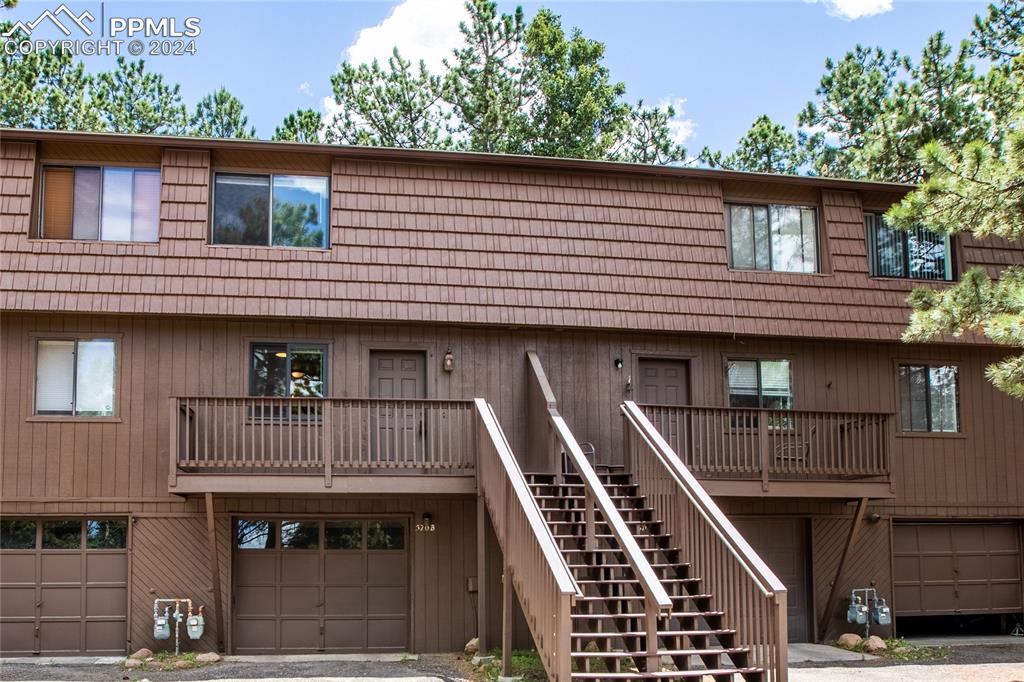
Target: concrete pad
point(967, 640)
point(324, 658)
point(802, 652)
point(62, 660)
point(986, 672)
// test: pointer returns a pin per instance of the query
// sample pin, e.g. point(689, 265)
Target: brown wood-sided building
point(273, 348)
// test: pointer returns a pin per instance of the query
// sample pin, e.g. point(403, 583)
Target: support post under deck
point(211, 538)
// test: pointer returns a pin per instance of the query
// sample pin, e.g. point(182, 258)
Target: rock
point(482, 660)
point(849, 641)
point(208, 657)
point(132, 663)
point(472, 647)
point(874, 645)
point(142, 654)
point(181, 665)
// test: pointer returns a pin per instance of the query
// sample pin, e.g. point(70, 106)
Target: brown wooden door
point(64, 589)
point(336, 585)
point(398, 430)
point(783, 544)
point(664, 381)
point(950, 568)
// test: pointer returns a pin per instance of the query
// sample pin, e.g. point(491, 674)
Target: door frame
point(407, 518)
point(428, 348)
point(692, 359)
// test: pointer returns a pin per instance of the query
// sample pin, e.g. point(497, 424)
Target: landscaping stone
point(482, 660)
point(142, 654)
point(208, 657)
point(181, 665)
point(473, 647)
point(132, 663)
point(849, 640)
point(874, 645)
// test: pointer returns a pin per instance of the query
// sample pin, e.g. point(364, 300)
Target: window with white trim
point(75, 377)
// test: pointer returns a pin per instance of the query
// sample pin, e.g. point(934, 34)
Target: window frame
point(33, 373)
point(899, 364)
point(728, 358)
point(870, 235)
point(321, 345)
point(83, 528)
point(270, 175)
point(39, 221)
point(819, 247)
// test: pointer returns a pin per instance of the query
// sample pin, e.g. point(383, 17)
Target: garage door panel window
point(343, 535)
point(17, 534)
point(106, 534)
point(300, 535)
point(255, 534)
point(62, 535)
point(75, 377)
point(385, 535)
point(929, 398)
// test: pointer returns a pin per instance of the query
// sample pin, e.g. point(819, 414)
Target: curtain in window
point(146, 206)
point(87, 203)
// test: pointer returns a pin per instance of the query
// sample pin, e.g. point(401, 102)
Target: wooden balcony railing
point(533, 562)
point(784, 445)
point(745, 589)
point(312, 435)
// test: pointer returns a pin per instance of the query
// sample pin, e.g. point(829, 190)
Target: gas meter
point(857, 613)
point(161, 627)
point(881, 614)
point(195, 625)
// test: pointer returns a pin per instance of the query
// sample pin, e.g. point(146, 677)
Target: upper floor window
point(760, 383)
point(75, 377)
point(288, 370)
point(271, 210)
point(914, 254)
point(773, 237)
point(928, 398)
point(111, 203)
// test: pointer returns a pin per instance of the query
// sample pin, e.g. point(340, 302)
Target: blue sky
point(726, 62)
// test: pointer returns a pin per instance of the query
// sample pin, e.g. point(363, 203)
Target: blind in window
point(58, 202)
point(146, 206)
point(87, 203)
point(55, 371)
point(775, 377)
point(743, 377)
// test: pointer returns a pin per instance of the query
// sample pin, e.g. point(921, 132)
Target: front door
point(783, 544)
point(398, 427)
point(666, 382)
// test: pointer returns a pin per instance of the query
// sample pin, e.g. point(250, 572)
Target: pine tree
point(646, 137)
point(303, 125)
point(220, 114)
point(766, 148)
point(131, 100)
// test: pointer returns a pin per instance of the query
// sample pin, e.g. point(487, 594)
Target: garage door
point(944, 568)
point(320, 585)
point(63, 586)
point(782, 543)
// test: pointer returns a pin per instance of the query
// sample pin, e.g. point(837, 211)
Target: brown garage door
point(321, 585)
point(950, 568)
point(63, 586)
point(782, 543)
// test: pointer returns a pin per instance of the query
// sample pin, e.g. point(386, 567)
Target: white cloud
point(305, 88)
point(850, 10)
point(420, 29)
point(680, 127)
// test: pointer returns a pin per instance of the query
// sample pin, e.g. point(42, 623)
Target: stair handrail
point(533, 561)
point(656, 599)
point(774, 631)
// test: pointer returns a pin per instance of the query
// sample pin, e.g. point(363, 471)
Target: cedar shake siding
point(459, 265)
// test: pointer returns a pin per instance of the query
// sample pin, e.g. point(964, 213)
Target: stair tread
point(634, 614)
point(661, 652)
point(664, 675)
point(653, 565)
point(661, 633)
point(639, 597)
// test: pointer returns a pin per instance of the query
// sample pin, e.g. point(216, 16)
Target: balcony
point(320, 445)
point(781, 453)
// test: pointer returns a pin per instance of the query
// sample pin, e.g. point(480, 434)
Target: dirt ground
point(960, 655)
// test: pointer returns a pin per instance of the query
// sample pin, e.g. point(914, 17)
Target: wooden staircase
point(608, 624)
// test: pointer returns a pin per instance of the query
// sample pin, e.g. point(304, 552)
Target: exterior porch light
point(618, 363)
point(448, 364)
